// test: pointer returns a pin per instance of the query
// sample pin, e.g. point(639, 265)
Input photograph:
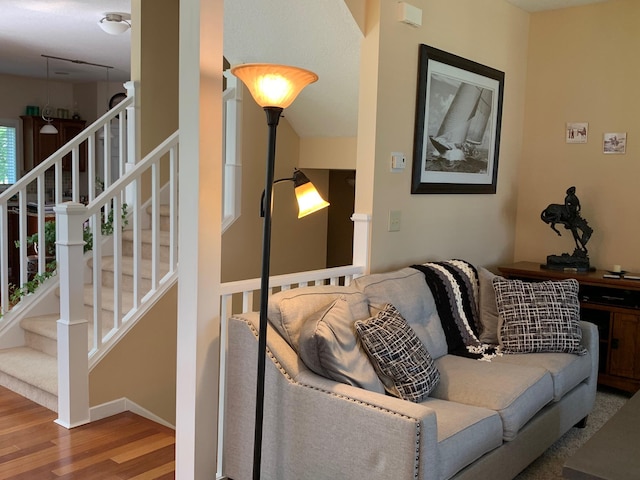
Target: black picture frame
point(457, 125)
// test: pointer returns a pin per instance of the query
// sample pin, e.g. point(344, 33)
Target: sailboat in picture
point(458, 141)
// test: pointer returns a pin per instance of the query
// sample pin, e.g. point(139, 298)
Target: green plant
point(106, 227)
point(49, 238)
point(31, 286)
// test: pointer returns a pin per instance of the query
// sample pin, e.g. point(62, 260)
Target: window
point(8, 152)
point(231, 155)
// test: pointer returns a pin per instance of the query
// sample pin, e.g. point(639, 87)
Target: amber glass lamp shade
point(273, 85)
point(309, 200)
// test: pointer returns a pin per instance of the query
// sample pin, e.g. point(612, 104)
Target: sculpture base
point(578, 262)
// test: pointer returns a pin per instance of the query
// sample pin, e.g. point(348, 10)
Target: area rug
point(549, 465)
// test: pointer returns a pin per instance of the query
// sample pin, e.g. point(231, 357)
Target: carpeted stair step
point(107, 299)
point(41, 332)
point(30, 373)
point(164, 216)
point(146, 236)
point(127, 272)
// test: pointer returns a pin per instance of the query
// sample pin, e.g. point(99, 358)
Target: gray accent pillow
point(328, 345)
point(539, 317)
point(488, 307)
point(404, 365)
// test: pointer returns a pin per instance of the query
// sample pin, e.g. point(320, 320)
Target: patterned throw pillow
point(403, 363)
point(538, 317)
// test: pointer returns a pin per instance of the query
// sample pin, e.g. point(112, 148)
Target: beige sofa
point(484, 419)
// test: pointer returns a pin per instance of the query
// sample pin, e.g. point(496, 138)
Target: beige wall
point(582, 68)
point(158, 78)
point(92, 99)
point(18, 92)
point(334, 153)
point(479, 228)
point(297, 244)
point(142, 366)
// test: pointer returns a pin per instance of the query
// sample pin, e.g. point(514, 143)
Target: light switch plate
point(398, 161)
point(394, 220)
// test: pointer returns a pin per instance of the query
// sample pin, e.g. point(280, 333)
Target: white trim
point(232, 151)
point(19, 166)
point(121, 405)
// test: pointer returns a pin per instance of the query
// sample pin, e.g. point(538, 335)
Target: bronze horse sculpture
point(569, 216)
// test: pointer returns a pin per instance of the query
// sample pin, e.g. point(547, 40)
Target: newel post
point(73, 360)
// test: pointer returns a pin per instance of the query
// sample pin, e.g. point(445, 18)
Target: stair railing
point(93, 166)
point(111, 315)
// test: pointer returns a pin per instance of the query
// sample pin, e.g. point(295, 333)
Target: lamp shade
point(49, 129)
point(273, 85)
point(309, 200)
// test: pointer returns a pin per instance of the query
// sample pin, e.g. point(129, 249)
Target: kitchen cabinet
point(37, 147)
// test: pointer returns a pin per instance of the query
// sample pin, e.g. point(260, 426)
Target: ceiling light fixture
point(47, 111)
point(115, 23)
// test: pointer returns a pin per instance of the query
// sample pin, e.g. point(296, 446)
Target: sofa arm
point(591, 341)
point(314, 427)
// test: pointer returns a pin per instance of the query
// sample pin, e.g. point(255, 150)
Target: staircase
point(31, 370)
point(98, 295)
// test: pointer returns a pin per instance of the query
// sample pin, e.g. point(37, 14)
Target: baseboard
point(124, 405)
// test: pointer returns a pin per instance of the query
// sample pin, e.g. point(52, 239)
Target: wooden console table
point(613, 305)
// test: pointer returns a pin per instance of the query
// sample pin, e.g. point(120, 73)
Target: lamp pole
point(273, 87)
point(273, 117)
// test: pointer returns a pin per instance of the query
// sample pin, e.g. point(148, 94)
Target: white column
point(133, 142)
point(73, 360)
point(361, 240)
point(200, 117)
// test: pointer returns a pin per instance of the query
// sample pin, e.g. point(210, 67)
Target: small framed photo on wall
point(614, 143)
point(576, 132)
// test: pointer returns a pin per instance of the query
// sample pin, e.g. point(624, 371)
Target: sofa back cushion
point(407, 290)
point(289, 309)
point(488, 307)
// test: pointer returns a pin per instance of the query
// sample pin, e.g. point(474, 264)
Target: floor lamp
point(274, 88)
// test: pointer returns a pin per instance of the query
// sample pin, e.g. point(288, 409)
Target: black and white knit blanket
point(455, 288)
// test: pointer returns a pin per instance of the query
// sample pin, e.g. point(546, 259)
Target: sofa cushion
point(539, 317)
point(407, 290)
point(289, 309)
point(516, 392)
point(566, 370)
point(465, 433)
point(488, 307)
point(404, 365)
point(328, 345)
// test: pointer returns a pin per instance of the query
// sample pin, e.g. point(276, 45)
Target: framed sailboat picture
point(457, 126)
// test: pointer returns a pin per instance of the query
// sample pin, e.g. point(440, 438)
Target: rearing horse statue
point(569, 216)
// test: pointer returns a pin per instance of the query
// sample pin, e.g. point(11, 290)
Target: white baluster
point(4, 260)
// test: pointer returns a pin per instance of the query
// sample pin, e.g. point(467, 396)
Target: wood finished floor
point(124, 446)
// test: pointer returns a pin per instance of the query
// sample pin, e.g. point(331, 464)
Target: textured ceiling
point(319, 35)
point(62, 28)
